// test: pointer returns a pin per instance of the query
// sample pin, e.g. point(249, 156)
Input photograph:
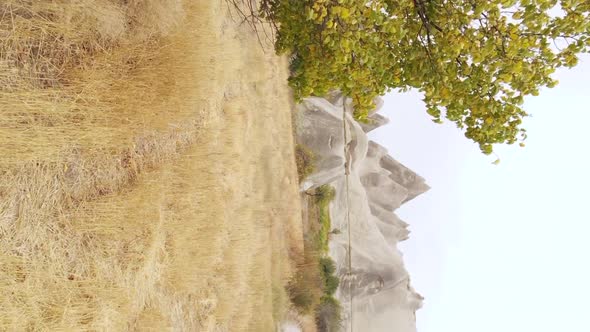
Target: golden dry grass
point(147, 176)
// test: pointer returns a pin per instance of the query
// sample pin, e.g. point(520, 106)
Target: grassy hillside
point(140, 185)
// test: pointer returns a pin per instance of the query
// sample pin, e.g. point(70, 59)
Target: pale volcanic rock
point(374, 121)
point(369, 186)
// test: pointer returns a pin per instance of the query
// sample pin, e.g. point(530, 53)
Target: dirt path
point(198, 240)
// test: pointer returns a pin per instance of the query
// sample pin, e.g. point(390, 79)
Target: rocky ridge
point(375, 289)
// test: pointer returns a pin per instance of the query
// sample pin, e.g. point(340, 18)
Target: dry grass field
point(147, 174)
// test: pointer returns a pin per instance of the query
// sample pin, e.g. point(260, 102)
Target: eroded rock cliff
point(375, 289)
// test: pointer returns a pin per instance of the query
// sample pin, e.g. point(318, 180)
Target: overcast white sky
point(500, 248)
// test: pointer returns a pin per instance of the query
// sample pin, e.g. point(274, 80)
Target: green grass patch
point(323, 196)
point(312, 288)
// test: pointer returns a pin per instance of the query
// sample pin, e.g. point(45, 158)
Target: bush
point(302, 296)
point(306, 287)
point(327, 270)
point(324, 194)
point(327, 266)
point(304, 160)
point(331, 284)
point(312, 288)
point(329, 315)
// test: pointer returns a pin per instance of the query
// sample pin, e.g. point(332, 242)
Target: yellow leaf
point(506, 77)
point(345, 13)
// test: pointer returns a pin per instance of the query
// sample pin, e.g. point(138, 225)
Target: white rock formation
point(370, 184)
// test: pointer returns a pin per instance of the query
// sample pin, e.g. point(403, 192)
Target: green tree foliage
point(327, 270)
point(474, 60)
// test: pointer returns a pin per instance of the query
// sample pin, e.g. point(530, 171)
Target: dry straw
point(118, 211)
point(90, 91)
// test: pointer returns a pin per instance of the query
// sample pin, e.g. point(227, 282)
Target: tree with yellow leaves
point(473, 60)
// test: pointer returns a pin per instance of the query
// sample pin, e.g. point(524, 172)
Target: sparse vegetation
point(327, 270)
point(304, 160)
point(312, 289)
point(305, 287)
point(329, 315)
point(323, 196)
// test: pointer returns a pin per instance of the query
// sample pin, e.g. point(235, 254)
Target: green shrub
point(327, 266)
point(306, 287)
point(329, 315)
point(327, 270)
point(303, 292)
point(312, 288)
point(302, 297)
point(324, 194)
